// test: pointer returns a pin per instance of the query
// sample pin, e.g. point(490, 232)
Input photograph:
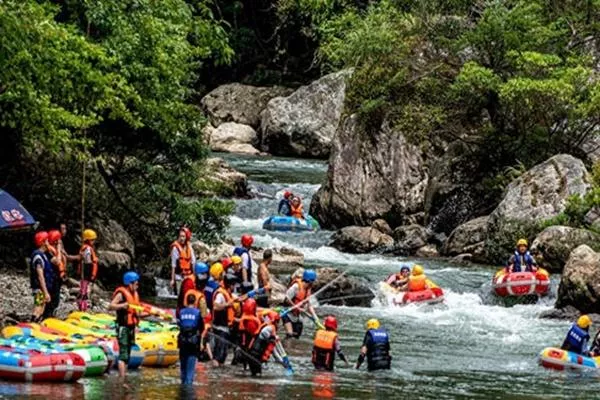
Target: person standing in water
point(191, 327)
point(297, 296)
point(326, 344)
point(264, 279)
point(375, 347)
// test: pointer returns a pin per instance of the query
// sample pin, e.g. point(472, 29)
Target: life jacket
point(263, 348)
point(248, 329)
point(226, 317)
point(297, 212)
point(60, 268)
point(184, 262)
point(48, 270)
point(200, 303)
point(517, 267)
point(127, 317)
point(378, 350)
point(576, 340)
point(301, 294)
point(88, 274)
point(239, 251)
point(284, 207)
point(417, 283)
point(190, 325)
point(209, 291)
point(323, 354)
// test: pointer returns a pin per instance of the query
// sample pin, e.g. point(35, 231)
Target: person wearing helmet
point(326, 344)
point(399, 280)
point(191, 327)
point(522, 259)
point(247, 329)
point(375, 347)
point(264, 344)
point(183, 258)
point(237, 270)
point(578, 336)
point(417, 281)
point(88, 268)
point(264, 279)
point(223, 318)
point(40, 275)
point(297, 296)
point(297, 209)
point(195, 286)
point(216, 272)
point(58, 260)
point(127, 317)
point(285, 206)
point(244, 253)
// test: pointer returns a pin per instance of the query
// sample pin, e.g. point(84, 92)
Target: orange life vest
point(269, 346)
point(323, 354)
point(184, 262)
point(94, 271)
point(417, 283)
point(297, 212)
point(62, 271)
point(248, 328)
point(301, 295)
point(200, 302)
point(224, 317)
point(131, 317)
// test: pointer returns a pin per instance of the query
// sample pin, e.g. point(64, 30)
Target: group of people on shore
point(291, 206)
point(48, 270)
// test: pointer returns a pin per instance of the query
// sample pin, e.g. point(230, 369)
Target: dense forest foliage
point(110, 88)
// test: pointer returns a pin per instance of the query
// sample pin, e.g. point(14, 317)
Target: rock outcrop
point(229, 181)
point(360, 239)
point(235, 102)
point(345, 291)
point(231, 137)
point(384, 177)
point(304, 123)
point(410, 238)
point(468, 238)
point(554, 244)
point(580, 283)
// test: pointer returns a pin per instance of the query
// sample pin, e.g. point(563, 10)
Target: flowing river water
point(468, 347)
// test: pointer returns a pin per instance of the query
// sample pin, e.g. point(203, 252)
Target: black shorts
point(220, 344)
point(262, 301)
point(297, 327)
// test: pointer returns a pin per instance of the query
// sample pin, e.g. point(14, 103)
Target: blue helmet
point(200, 268)
point(309, 275)
point(405, 268)
point(130, 277)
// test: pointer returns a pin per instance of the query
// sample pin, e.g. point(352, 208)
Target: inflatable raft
point(34, 366)
point(559, 359)
point(433, 295)
point(519, 284)
point(291, 224)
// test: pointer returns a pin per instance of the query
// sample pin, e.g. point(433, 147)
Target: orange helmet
point(54, 236)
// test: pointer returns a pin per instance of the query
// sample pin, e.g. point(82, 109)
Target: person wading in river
point(297, 297)
point(375, 347)
point(264, 279)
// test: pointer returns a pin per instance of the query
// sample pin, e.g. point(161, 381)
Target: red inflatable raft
point(521, 283)
point(34, 366)
point(429, 296)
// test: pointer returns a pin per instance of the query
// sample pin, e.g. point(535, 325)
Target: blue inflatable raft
point(291, 224)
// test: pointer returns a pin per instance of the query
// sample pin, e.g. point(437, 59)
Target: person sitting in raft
point(285, 204)
point(399, 280)
point(578, 336)
point(375, 347)
point(297, 210)
point(417, 281)
point(522, 258)
point(326, 344)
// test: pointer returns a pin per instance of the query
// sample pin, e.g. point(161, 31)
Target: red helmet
point(273, 316)
point(40, 238)
point(247, 240)
point(330, 322)
point(226, 262)
point(54, 236)
point(286, 194)
point(188, 233)
point(249, 307)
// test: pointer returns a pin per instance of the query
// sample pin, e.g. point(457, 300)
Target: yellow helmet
point(236, 260)
point(522, 242)
point(216, 270)
point(584, 322)
point(89, 234)
point(417, 270)
point(372, 324)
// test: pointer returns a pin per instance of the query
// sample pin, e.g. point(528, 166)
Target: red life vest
point(264, 348)
point(94, 270)
point(127, 317)
point(184, 262)
point(61, 267)
point(248, 328)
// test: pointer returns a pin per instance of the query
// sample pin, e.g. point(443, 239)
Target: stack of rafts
point(82, 345)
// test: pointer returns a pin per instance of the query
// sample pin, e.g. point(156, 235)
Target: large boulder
point(468, 238)
point(410, 238)
point(360, 239)
point(345, 291)
point(580, 283)
point(383, 177)
point(285, 260)
point(537, 195)
point(111, 266)
point(231, 137)
point(554, 244)
point(113, 237)
point(239, 103)
point(227, 180)
point(304, 123)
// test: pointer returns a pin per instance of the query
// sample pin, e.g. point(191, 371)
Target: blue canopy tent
point(13, 216)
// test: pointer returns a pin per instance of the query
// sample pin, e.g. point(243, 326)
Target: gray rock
point(285, 260)
point(580, 283)
point(239, 103)
point(410, 238)
point(304, 123)
point(468, 238)
point(231, 137)
point(384, 177)
point(568, 312)
point(346, 291)
point(233, 183)
point(428, 251)
point(113, 237)
point(592, 218)
point(382, 226)
point(554, 244)
point(360, 239)
point(111, 266)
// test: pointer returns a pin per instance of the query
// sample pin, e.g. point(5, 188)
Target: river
point(468, 347)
